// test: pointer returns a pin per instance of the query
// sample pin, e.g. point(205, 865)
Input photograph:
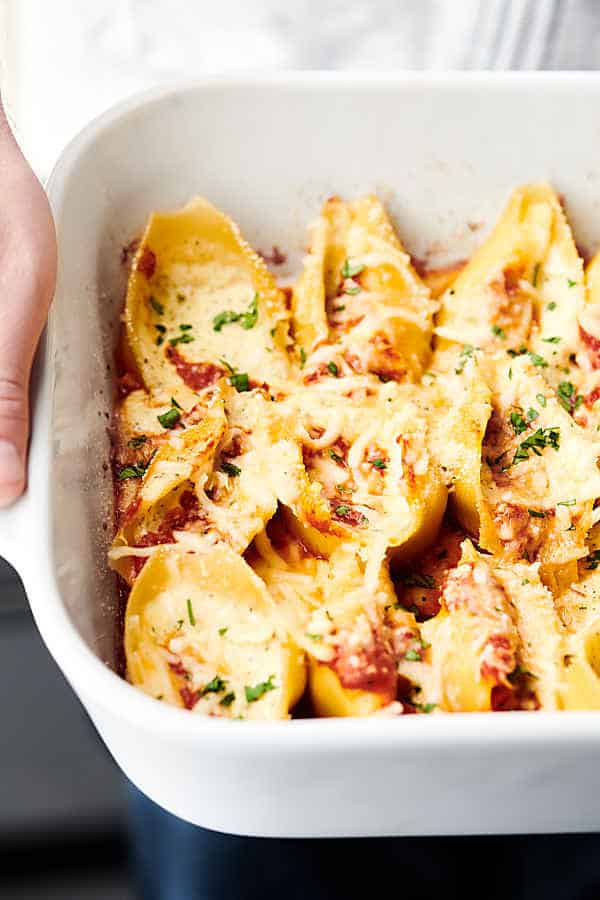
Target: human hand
point(27, 279)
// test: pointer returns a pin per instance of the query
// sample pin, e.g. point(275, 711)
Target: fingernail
point(12, 474)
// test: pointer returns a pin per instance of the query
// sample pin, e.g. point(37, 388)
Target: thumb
point(27, 275)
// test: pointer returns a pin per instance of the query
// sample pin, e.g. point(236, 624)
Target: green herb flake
point(551, 306)
point(349, 269)
point(184, 338)
point(333, 369)
point(499, 332)
point(412, 656)
point(214, 687)
point(223, 631)
point(246, 319)
point(190, 612)
point(156, 306)
point(227, 700)
point(541, 400)
point(250, 317)
point(536, 442)
point(255, 692)
point(551, 340)
point(567, 503)
point(229, 469)
point(137, 442)
point(537, 360)
point(465, 354)
point(378, 464)
point(161, 329)
point(518, 423)
point(536, 272)
point(536, 513)
point(342, 510)
point(355, 289)
point(137, 470)
point(532, 414)
point(185, 327)
point(568, 397)
point(314, 637)
point(302, 357)
point(170, 418)
point(424, 707)
point(571, 283)
point(240, 382)
point(335, 456)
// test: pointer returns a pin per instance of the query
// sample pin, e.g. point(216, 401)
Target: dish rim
point(79, 662)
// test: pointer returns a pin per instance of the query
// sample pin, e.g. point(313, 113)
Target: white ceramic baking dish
point(442, 152)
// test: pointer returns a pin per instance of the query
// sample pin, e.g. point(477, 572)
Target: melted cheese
point(283, 475)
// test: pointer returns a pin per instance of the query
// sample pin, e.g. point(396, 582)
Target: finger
point(27, 274)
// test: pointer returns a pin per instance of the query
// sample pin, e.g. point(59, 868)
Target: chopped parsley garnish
point(571, 283)
point(541, 399)
point(416, 579)
point(137, 470)
point(543, 437)
point(239, 380)
point(160, 328)
point(518, 423)
point(349, 269)
point(230, 469)
point(424, 707)
point(499, 332)
point(412, 656)
point(536, 359)
point(342, 489)
point(355, 289)
point(214, 687)
point(379, 464)
point(536, 513)
point(567, 503)
point(190, 612)
point(551, 340)
point(161, 334)
point(302, 357)
point(342, 510)
point(335, 456)
point(536, 272)
point(185, 327)
point(246, 319)
point(184, 338)
point(532, 414)
point(593, 560)
point(339, 308)
point(254, 693)
point(171, 417)
point(156, 306)
point(314, 637)
point(333, 369)
point(223, 631)
point(136, 442)
point(567, 396)
point(227, 700)
point(465, 354)
point(551, 306)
